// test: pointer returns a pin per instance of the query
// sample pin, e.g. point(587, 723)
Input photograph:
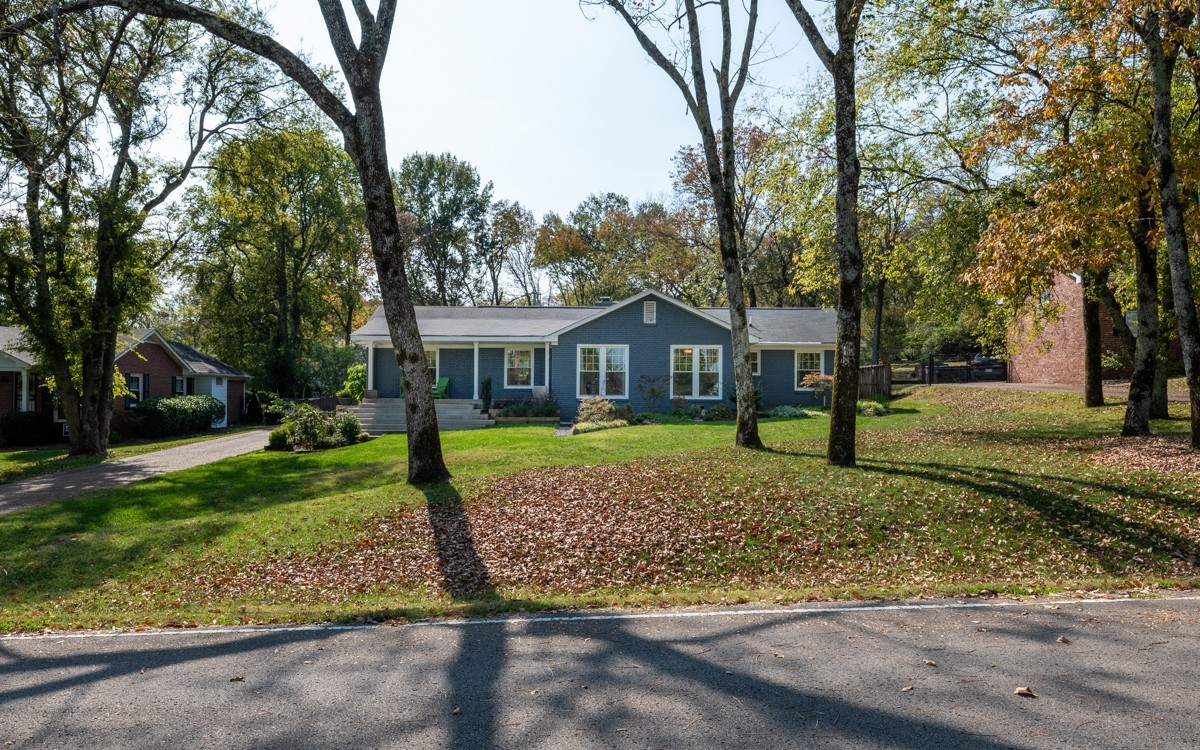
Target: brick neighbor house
point(153, 367)
point(1055, 354)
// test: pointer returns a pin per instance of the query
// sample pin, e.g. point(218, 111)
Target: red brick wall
point(234, 393)
point(7, 391)
point(1055, 355)
point(147, 359)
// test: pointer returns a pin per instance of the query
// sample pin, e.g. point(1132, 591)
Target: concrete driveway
point(1106, 675)
point(44, 489)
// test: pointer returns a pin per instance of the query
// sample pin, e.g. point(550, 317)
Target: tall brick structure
point(1055, 354)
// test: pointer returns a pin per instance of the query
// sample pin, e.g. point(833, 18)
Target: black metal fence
point(963, 368)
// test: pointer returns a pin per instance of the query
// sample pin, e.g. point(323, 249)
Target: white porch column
point(475, 380)
point(547, 368)
point(24, 405)
point(371, 366)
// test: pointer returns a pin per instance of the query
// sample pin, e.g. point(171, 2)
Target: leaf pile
point(1157, 453)
point(730, 519)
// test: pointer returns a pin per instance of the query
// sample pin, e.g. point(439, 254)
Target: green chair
point(442, 388)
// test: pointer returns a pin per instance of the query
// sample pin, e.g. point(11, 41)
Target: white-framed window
point(432, 362)
point(696, 372)
point(649, 312)
point(139, 388)
point(518, 368)
point(806, 362)
point(755, 363)
point(178, 385)
point(603, 371)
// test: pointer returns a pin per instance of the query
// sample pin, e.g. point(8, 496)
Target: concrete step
point(387, 415)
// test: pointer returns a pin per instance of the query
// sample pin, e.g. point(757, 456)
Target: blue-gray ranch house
point(569, 353)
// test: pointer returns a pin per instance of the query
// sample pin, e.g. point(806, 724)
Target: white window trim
point(696, 370)
point(603, 373)
point(182, 380)
point(796, 367)
point(140, 394)
point(532, 368)
point(437, 362)
point(756, 367)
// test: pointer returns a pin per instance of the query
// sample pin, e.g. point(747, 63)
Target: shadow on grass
point(464, 575)
point(1057, 502)
point(73, 545)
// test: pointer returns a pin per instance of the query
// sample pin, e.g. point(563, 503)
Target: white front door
point(220, 391)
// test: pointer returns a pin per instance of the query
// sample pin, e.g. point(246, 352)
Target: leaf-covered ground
point(962, 490)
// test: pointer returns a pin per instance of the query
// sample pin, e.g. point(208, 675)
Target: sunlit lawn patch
point(959, 491)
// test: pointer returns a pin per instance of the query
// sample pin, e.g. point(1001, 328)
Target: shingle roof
point(787, 325)
point(484, 322)
point(791, 325)
point(204, 364)
point(10, 344)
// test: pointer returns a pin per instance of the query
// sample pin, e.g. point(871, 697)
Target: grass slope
point(959, 491)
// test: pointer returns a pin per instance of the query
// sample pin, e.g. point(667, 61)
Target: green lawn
point(24, 463)
point(960, 491)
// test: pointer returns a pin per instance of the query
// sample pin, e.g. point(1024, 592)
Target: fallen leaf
point(1025, 692)
point(238, 678)
point(906, 688)
point(929, 662)
point(1063, 639)
point(457, 711)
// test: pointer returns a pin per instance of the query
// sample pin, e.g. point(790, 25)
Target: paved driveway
point(1106, 675)
point(44, 489)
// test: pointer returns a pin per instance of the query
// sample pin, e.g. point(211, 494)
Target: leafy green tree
point(512, 250)
point(278, 270)
point(361, 58)
point(85, 98)
point(447, 209)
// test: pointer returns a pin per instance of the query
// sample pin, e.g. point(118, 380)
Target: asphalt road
point(27, 493)
point(1126, 675)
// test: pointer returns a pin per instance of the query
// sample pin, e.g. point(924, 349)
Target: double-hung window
point(604, 371)
point(431, 362)
point(695, 372)
point(139, 386)
point(755, 369)
point(178, 385)
point(806, 362)
point(518, 368)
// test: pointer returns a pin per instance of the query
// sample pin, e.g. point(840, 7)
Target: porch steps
point(383, 415)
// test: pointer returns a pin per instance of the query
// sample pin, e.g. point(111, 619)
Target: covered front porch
point(519, 369)
point(17, 385)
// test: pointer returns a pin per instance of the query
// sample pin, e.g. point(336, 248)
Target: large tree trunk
point(1145, 358)
point(1162, 68)
point(743, 376)
point(844, 406)
point(1093, 383)
point(1159, 403)
point(366, 145)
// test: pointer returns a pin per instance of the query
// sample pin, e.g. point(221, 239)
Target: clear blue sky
point(547, 104)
